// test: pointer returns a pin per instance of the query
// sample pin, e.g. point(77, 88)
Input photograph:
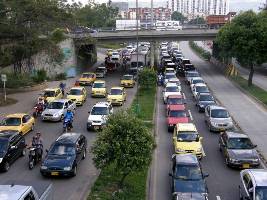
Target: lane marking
point(184, 96)
point(218, 197)
point(190, 114)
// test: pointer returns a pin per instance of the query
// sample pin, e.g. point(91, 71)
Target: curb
point(27, 88)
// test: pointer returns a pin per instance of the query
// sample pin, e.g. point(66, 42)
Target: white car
point(56, 110)
point(189, 75)
point(130, 48)
point(170, 89)
point(200, 88)
point(98, 115)
point(170, 70)
point(169, 76)
point(115, 55)
point(194, 81)
point(174, 80)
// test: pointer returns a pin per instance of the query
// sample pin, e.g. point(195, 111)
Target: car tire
point(209, 126)
point(74, 173)
point(84, 154)
point(23, 152)
point(227, 161)
point(61, 118)
point(6, 166)
point(32, 128)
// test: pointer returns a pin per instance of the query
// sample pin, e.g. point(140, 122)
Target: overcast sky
point(235, 5)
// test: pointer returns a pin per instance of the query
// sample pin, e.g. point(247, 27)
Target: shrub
point(60, 76)
point(40, 76)
point(147, 78)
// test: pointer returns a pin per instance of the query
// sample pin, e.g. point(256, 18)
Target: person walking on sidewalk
point(62, 87)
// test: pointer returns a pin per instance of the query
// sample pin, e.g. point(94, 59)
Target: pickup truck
point(40, 191)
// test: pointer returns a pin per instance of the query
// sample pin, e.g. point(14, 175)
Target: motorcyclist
point(62, 87)
point(69, 116)
point(37, 142)
point(160, 79)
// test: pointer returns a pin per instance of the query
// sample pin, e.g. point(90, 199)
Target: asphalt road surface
point(222, 181)
point(77, 187)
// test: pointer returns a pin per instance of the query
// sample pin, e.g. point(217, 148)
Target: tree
point(177, 16)
point(147, 78)
point(197, 20)
point(125, 143)
point(245, 38)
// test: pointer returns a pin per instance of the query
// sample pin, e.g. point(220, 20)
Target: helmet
point(68, 109)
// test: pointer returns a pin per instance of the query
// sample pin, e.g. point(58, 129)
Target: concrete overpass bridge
point(152, 36)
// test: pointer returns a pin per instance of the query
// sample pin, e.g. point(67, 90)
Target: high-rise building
point(122, 6)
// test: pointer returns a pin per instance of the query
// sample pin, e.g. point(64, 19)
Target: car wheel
point(84, 154)
point(6, 166)
point(61, 118)
point(32, 128)
point(240, 195)
point(227, 161)
point(209, 126)
point(23, 152)
point(198, 109)
point(74, 173)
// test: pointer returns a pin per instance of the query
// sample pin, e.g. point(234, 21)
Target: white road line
point(184, 95)
point(218, 197)
point(190, 114)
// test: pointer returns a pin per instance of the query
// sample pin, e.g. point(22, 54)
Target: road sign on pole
point(4, 80)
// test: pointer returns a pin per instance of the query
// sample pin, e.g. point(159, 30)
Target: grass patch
point(111, 45)
point(9, 101)
point(105, 187)
point(200, 51)
point(253, 90)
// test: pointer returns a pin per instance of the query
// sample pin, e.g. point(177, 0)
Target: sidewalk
point(249, 115)
point(27, 100)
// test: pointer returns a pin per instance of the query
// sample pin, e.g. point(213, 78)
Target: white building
point(193, 8)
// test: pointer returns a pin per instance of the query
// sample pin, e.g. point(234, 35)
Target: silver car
point(101, 72)
point(218, 118)
point(253, 184)
point(56, 110)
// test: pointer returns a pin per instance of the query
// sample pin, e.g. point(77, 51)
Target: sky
point(235, 5)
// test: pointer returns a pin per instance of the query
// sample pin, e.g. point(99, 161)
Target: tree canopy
point(245, 38)
point(125, 143)
point(197, 20)
point(177, 16)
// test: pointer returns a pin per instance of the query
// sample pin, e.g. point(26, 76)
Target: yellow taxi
point(117, 96)
point(99, 89)
point(187, 140)
point(52, 94)
point(87, 78)
point(21, 122)
point(78, 95)
point(127, 81)
point(109, 52)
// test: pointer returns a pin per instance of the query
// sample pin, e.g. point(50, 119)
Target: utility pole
point(152, 14)
point(137, 108)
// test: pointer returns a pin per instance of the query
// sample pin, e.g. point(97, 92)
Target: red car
point(175, 100)
point(176, 114)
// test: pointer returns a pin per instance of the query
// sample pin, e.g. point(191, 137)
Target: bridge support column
point(152, 53)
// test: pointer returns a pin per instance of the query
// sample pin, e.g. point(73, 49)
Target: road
point(222, 181)
point(66, 188)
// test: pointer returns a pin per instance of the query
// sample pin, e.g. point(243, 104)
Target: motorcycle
point(38, 109)
point(67, 125)
point(34, 158)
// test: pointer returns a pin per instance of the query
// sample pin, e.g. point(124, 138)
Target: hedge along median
point(200, 51)
point(106, 185)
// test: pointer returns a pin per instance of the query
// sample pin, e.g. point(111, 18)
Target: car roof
point(102, 104)
point(169, 69)
point(127, 75)
point(259, 176)
point(117, 87)
point(176, 107)
point(186, 127)
point(12, 192)
point(212, 107)
point(8, 134)
point(61, 100)
point(51, 89)
point(68, 138)
point(101, 67)
point(231, 134)
point(19, 115)
point(175, 96)
point(88, 73)
point(99, 81)
point(77, 88)
point(170, 84)
point(186, 59)
point(200, 84)
point(186, 159)
point(197, 78)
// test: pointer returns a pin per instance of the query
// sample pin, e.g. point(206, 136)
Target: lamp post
point(152, 15)
point(137, 106)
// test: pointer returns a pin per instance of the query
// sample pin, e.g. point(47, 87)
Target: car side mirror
point(201, 138)
point(89, 112)
point(255, 146)
point(170, 174)
point(13, 147)
point(46, 150)
point(205, 175)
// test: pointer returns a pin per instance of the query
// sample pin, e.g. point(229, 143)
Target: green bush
point(203, 53)
point(19, 80)
point(40, 76)
point(147, 78)
point(60, 76)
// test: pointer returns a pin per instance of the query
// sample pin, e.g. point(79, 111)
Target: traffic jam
point(188, 179)
point(56, 105)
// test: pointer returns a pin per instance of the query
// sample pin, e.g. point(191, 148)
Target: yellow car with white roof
point(117, 96)
point(52, 94)
point(78, 95)
point(186, 139)
point(87, 78)
point(99, 89)
point(127, 81)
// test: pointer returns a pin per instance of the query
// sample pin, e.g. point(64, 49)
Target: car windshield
point(75, 92)
point(62, 149)
point(99, 111)
point(188, 172)
point(175, 101)
point(100, 70)
point(187, 136)
point(55, 105)
point(172, 89)
point(219, 113)
point(239, 143)
point(200, 89)
point(261, 193)
point(49, 93)
point(3, 145)
point(87, 76)
point(168, 76)
point(177, 113)
point(197, 81)
point(99, 85)
point(116, 92)
point(127, 77)
point(11, 121)
point(192, 75)
point(206, 98)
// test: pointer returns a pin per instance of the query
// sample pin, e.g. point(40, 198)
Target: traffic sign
point(3, 77)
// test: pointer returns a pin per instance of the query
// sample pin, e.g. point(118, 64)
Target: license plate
point(245, 165)
point(54, 173)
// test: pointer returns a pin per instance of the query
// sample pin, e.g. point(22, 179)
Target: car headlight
point(1, 159)
point(232, 160)
point(256, 160)
point(178, 150)
point(44, 167)
point(201, 105)
point(56, 115)
point(170, 124)
point(67, 168)
point(214, 124)
point(199, 149)
point(89, 121)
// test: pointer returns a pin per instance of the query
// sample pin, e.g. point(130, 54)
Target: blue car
point(64, 155)
point(203, 100)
